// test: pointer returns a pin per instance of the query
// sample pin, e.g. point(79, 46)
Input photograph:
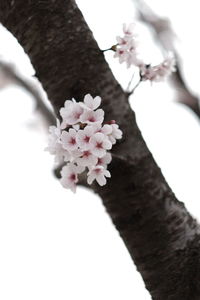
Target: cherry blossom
point(69, 176)
point(129, 29)
point(92, 103)
point(71, 113)
point(126, 50)
point(99, 143)
point(82, 141)
point(98, 173)
point(105, 160)
point(115, 134)
point(83, 137)
point(158, 72)
point(68, 139)
point(87, 159)
point(54, 144)
point(91, 117)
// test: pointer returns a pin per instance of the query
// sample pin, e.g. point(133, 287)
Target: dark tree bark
point(161, 236)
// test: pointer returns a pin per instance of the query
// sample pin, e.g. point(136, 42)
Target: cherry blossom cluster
point(158, 72)
point(126, 50)
point(82, 141)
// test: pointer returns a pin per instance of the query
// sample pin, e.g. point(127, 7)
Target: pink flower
point(69, 176)
point(106, 129)
point(98, 173)
point(122, 54)
point(81, 141)
point(116, 133)
point(127, 45)
point(54, 137)
point(99, 143)
point(54, 144)
point(71, 113)
point(68, 139)
point(158, 72)
point(87, 159)
point(91, 117)
point(105, 160)
point(92, 103)
point(83, 137)
point(129, 29)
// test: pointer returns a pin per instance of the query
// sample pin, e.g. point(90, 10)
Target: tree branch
point(165, 36)
point(161, 236)
point(12, 76)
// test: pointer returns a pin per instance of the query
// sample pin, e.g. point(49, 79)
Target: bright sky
point(56, 245)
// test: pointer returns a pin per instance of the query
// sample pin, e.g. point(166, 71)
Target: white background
point(56, 245)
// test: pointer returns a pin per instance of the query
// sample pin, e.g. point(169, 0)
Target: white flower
point(126, 49)
point(83, 137)
point(158, 72)
point(91, 117)
point(106, 129)
point(87, 159)
point(81, 141)
point(147, 72)
point(129, 29)
point(99, 143)
point(98, 173)
point(54, 143)
point(105, 160)
point(54, 137)
point(123, 42)
point(116, 133)
point(122, 54)
point(68, 139)
point(71, 113)
point(92, 103)
point(167, 67)
point(75, 154)
point(69, 176)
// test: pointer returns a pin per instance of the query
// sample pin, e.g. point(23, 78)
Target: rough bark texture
point(161, 236)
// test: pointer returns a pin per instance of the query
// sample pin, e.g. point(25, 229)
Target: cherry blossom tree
point(160, 234)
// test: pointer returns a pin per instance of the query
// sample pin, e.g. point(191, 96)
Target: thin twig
point(133, 90)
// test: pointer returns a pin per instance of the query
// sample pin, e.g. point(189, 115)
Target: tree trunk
point(161, 236)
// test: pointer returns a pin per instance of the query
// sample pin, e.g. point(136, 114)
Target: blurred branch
point(165, 35)
point(9, 75)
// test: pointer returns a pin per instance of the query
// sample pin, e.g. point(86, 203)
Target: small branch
point(12, 76)
point(113, 48)
point(165, 36)
point(129, 84)
point(133, 90)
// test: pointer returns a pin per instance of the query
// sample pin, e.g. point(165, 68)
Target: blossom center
point(97, 170)
point(99, 145)
point(86, 139)
point(91, 119)
point(72, 177)
point(86, 153)
point(77, 115)
point(73, 141)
